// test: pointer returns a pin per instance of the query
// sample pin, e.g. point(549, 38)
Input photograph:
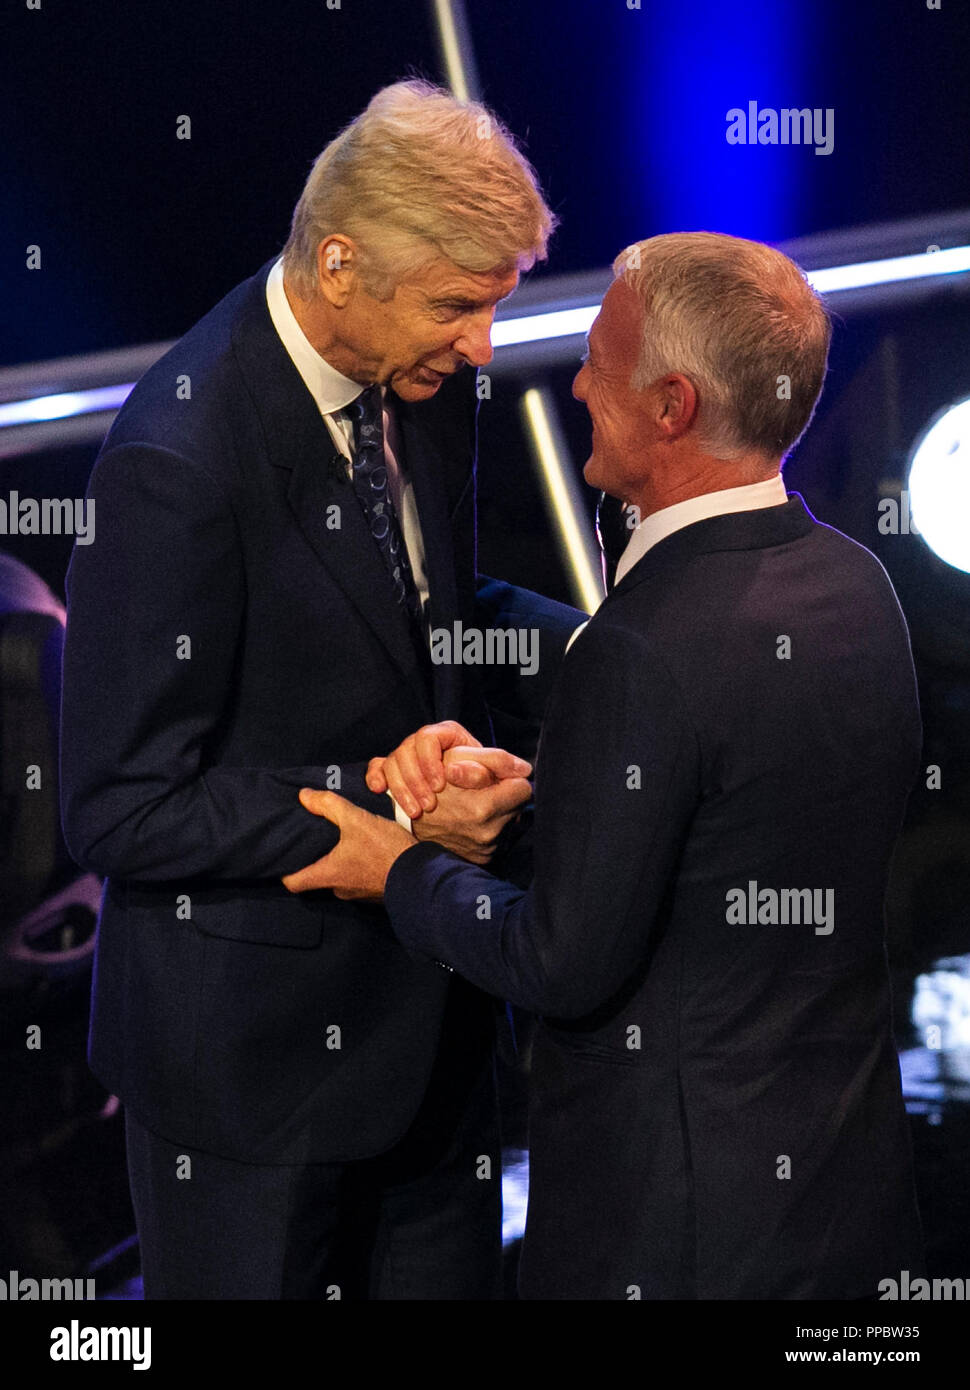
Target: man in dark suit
point(723, 770)
point(285, 506)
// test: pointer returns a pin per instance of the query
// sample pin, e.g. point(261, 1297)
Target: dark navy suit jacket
point(716, 1103)
point(226, 644)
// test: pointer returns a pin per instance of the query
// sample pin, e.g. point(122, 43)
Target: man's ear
point(679, 405)
point(337, 258)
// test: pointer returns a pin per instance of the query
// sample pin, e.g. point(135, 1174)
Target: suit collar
point(330, 389)
point(768, 492)
point(292, 424)
point(754, 530)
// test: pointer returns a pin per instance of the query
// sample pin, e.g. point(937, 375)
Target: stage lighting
point(939, 486)
point(63, 405)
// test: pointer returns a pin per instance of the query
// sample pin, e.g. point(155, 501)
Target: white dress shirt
point(770, 492)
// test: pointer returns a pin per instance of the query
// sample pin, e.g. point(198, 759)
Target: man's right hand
point(469, 821)
point(418, 770)
point(456, 792)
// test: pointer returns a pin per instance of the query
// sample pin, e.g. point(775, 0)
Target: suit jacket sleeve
point(141, 794)
point(617, 784)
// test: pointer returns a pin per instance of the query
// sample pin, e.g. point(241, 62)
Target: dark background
point(622, 112)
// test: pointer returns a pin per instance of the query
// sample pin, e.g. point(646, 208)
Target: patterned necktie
point(370, 484)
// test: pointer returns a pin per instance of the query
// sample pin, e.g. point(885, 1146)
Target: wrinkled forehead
point(441, 277)
point(617, 328)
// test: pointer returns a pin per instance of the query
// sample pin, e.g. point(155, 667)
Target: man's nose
point(475, 344)
point(579, 384)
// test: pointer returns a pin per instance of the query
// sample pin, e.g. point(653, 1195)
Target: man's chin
point(591, 474)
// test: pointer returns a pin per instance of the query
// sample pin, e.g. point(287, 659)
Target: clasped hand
point(455, 792)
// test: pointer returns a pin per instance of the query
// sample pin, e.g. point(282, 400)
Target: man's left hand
point(357, 867)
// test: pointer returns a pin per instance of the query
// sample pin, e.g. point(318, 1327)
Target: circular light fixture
point(939, 486)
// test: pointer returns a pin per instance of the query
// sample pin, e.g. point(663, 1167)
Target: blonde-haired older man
point(725, 763)
point(414, 223)
point(286, 503)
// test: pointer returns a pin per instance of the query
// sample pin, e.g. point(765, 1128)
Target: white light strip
point(561, 323)
point(538, 328)
point(59, 407)
point(575, 534)
point(451, 50)
point(923, 266)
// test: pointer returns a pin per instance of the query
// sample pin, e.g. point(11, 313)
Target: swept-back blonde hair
point(742, 322)
point(416, 175)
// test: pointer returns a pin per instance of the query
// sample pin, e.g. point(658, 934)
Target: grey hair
point(417, 175)
point(741, 321)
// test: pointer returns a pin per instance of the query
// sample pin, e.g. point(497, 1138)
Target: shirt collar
point(330, 389)
point(770, 492)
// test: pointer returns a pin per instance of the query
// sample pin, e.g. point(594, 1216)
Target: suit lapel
point(319, 494)
point(424, 463)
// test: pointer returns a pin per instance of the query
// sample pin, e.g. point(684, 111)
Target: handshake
point(455, 792)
